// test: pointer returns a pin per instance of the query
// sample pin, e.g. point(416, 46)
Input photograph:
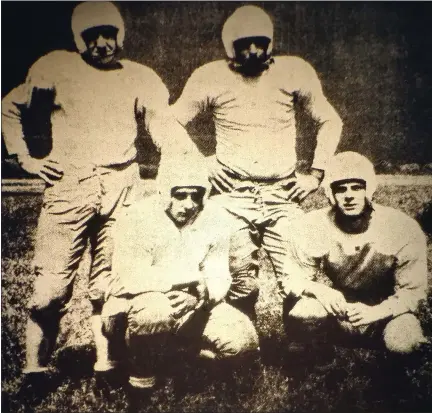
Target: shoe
point(304, 358)
point(107, 382)
point(35, 388)
point(138, 397)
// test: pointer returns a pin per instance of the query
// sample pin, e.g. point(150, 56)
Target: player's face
point(251, 53)
point(186, 202)
point(101, 44)
point(350, 196)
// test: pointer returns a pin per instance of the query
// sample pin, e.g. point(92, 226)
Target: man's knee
point(306, 310)
point(238, 336)
point(244, 343)
point(403, 334)
point(50, 297)
point(150, 313)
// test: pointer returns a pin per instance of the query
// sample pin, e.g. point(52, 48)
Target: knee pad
point(150, 314)
point(246, 342)
point(403, 335)
point(49, 297)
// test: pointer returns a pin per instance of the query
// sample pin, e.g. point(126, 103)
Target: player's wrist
point(384, 311)
point(303, 168)
point(317, 173)
point(315, 289)
point(22, 157)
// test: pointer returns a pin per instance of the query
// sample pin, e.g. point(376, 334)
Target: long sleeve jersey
point(152, 254)
point(94, 112)
point(254, 117)
point(386, 264)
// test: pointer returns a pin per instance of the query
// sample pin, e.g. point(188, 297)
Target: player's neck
point(113, 65)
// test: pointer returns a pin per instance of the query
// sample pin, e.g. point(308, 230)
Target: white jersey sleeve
point(330, 124)
point(301, 263)
point(167, 133)
point(195, 96)
point(41, 75)
point(411, 271)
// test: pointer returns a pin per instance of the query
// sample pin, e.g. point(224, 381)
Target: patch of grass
point(343, 385)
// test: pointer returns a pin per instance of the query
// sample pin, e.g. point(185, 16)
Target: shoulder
point(138, 68)
point(145, 79)
point(217, 220)
point(315, 220)
point(55, 60)
point(209, 71)
point(396, 223)
point(213, 211)
point(312, 231)
point(293, 63)
point(301, 72)
point(142, 72)
point(139, 214)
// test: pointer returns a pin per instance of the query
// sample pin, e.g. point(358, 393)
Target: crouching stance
point(374, 256)
point(171, 274)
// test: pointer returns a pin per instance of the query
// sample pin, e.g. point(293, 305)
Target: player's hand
point(182, 302)
point(360, 314)
point(304, 184)
point(332, 300)
point(284, 288)
point(217, 175)
point(202, 293)
point(49, 170)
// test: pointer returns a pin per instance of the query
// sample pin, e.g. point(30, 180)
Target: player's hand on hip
point(48, 169)
point(304, 184)
point(218, 176)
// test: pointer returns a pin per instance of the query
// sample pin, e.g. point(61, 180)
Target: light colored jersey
point(152, 254)
point(94, 114)
point(387, 262)
point(254, 117)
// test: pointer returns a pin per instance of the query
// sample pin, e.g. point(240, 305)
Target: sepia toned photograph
point(216, 206)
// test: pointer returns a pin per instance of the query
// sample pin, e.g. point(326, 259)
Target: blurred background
point(373, 59)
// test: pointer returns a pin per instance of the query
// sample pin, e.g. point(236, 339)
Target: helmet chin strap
point(115, 64)
point(250, 70)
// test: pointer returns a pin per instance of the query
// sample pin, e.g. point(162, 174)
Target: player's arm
point(194, 99)
point(329, 123)
point(411, 276)
point(410, 287)
point(328, 120)
point(215, 269)
point(38, 86)
point(197, 97)
point(166, 131)
point(12, 105)
point(132, 269)
point(301, 267)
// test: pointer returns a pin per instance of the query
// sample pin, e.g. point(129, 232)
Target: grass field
point(344, 386)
